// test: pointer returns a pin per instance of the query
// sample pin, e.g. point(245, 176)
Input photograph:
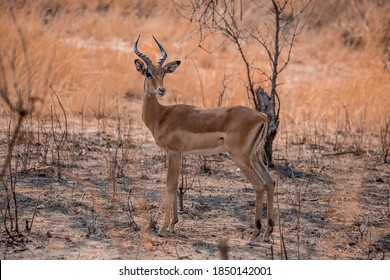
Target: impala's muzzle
point(161, 91)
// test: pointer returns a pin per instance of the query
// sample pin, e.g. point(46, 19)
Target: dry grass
point(87, 45)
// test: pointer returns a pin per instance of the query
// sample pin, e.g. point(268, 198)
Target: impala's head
point(154, 74)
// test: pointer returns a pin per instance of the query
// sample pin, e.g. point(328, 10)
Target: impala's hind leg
point(259, 190)
point(259, 186)
point(270, 188)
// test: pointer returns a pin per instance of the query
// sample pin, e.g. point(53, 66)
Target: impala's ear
point(140, 66)
point(171, 66)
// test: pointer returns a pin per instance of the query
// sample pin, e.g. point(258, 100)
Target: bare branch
point(224, 83)
point(283, 23)
point(200, 83)
point(262, 42)
point(15, 84)
point(263, 73)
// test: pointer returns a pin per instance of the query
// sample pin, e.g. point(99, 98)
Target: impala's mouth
point(161, 91)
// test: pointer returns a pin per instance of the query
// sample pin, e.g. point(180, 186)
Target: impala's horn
point(140, 54)
point(164, 54)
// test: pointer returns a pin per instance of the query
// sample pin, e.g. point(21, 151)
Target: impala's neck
point(151, 110)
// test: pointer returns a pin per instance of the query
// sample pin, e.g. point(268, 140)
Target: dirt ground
point(328, 205)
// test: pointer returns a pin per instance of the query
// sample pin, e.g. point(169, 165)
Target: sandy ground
point(328, 205)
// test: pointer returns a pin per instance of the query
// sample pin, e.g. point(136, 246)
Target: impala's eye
point(148, 75)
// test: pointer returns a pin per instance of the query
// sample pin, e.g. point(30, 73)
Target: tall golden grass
point(340, 64)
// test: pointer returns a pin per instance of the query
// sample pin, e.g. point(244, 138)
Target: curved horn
point(164, 54)
point(140, 54)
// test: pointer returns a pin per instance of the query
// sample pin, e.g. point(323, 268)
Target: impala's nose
point(161, 91)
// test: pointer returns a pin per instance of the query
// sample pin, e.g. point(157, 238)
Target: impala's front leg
point(171, 216)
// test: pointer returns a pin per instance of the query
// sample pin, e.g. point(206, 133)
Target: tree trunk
point(268, 157)
point(266, 105)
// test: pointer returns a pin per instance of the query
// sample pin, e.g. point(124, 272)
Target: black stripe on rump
point(260, 130)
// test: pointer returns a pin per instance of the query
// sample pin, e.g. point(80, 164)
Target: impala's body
point(182, 129)
point(180, 126)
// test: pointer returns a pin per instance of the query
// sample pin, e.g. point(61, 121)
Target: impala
point(182, 129)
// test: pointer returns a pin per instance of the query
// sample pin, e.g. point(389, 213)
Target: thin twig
point(200, 83)
point(33, 216)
